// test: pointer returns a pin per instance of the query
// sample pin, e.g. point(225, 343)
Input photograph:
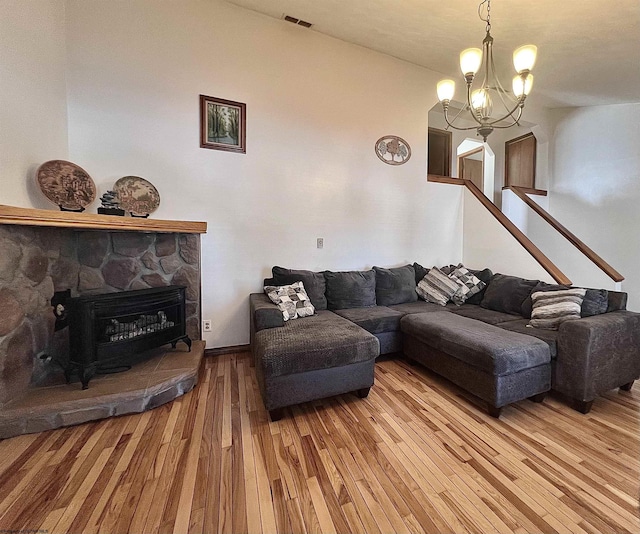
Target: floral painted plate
point(137, 196)
point(66, 184)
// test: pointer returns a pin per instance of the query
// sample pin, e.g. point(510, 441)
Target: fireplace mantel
point(90, 221)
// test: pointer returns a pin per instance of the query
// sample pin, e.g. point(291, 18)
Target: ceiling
point(588, 50)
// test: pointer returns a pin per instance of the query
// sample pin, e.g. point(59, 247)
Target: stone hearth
point(162, 376)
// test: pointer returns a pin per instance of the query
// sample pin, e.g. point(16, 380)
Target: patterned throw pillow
point(470, 285)
point(552, 308)
point(437, 287)
point(292, 300)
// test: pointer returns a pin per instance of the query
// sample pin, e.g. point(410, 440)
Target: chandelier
point(480, 102)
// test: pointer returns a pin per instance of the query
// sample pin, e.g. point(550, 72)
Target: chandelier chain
point(488, 19)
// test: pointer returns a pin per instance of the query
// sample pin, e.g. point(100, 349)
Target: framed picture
point(223, 124)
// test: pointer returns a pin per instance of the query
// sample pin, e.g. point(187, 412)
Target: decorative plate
point(66, 184)
point(137, 196)
point(393, 150)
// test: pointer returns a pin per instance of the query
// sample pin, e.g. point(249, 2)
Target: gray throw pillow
point(395, 286)
point(595, 302)
point(314, 283)
point(485, 275)
point(350, 289)
point(527, 305)
point(421, 272)
point(507, 293)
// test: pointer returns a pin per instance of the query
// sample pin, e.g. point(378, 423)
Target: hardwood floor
point(415, 456)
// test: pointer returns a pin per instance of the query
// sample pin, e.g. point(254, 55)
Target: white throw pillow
point(292, 300)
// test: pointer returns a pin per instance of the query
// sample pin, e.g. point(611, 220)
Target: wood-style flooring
point(415, 456)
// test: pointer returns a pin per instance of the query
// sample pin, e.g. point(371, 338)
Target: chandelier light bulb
point(470, 60)
point(522, 86)
point(481, 102)
point(446, 89)
point(524, 58)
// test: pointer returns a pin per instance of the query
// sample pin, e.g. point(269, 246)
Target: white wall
point(595, 184)
point(315, 108)
point(486, 243)
point(33, 101)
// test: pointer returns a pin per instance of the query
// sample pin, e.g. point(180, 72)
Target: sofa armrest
point(596, 354)
point(264, 313)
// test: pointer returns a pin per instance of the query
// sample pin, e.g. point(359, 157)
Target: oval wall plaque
point(393, 150)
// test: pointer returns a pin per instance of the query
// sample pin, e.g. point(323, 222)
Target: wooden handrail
point(528, 245)
point(568, 235)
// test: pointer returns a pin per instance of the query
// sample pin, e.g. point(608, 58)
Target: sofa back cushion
point(596, 302)
point(485, 275)
point(350, 289)
point(617, 301)
point(507, 293)
point(421, 272)
point(396, 285)
point(314, 283)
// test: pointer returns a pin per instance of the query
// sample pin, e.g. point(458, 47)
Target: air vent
point(299, 22)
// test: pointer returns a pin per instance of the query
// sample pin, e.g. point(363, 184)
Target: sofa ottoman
point(496, 365)
point(312, 358)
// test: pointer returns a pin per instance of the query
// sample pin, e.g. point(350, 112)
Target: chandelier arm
point(517, 108)
point(450, 123)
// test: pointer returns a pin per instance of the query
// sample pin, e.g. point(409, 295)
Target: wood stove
point(106, 331)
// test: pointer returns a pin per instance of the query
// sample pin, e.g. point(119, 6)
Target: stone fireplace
point(38, 258)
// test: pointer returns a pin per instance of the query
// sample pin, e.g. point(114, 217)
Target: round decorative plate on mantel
point(137, 196)
point(66, 184)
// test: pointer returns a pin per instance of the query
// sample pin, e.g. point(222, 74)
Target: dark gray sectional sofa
point(484, 345)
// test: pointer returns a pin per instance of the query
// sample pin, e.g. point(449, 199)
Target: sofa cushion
point(417, 307)
point(491, 349)
point(527, 305)
point(552, 308)
point(595, 302)
point(420, 271)
point(314, 283)
point(482, 314)
point(485, 275)
point(350, 289)
point(437, 287)
point(550, 337)
point(470, 284)
point(292, 300)
point(396, 285)
point(322, 341)
point(507, 293)
point(376, 320)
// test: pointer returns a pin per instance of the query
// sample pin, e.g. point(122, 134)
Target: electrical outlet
point(206, 325)
point(320, 242)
